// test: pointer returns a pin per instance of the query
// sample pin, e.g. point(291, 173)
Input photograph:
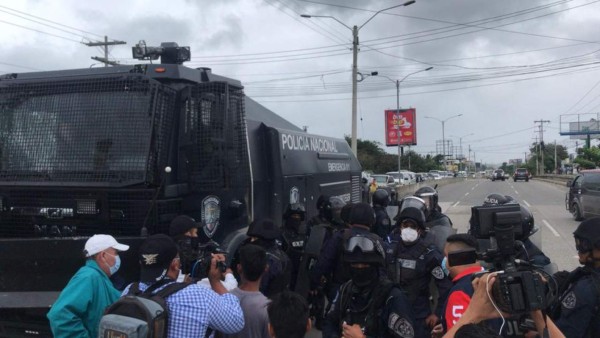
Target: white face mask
point(409, 235)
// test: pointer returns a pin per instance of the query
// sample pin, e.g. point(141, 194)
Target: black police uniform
point(413, 267)
point(383, 311)
point(383, 223)
point(377, 306)
point(579, 314)
point(294, 240)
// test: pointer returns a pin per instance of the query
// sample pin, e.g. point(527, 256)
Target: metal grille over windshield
point(93, 130)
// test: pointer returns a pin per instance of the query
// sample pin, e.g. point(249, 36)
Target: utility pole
point(541, 122)
point(555, 159)
point(105, 44)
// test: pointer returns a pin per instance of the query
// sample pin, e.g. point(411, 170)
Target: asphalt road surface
point(545, 200)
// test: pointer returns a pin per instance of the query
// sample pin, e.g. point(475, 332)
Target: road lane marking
point(528, 205)
point(467, 194)
point(473, 188)
point(551, 228)
point(455, 204)
point(516, 192)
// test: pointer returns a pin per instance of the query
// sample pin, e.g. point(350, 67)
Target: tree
point(373, 158)
point(549, 161)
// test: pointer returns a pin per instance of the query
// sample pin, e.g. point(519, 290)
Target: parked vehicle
point(399, 178)
point(583, 197)
point(122, 151)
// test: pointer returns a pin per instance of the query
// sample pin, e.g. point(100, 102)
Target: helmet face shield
point(413, 202)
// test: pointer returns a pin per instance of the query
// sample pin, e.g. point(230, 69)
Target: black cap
point(182, 224)
point(156, 254)
point(362, 214)
point(589, 230)
point(264, 228)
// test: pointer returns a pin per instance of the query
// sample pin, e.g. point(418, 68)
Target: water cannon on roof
point(169, 52)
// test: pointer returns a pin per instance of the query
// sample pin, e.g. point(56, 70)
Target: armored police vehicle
point(125, 149)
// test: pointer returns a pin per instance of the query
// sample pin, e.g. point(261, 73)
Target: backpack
point(139, 314)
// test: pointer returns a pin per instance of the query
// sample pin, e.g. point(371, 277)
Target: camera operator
point(502, 225)
point(577, 310)
point(482, 307)
point(460, 295)
point(184, 231)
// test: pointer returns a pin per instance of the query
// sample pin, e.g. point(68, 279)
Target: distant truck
point(122, 151)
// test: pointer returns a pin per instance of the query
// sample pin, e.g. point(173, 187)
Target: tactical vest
point(407, 268)
point(555, 308)
point(370, 318)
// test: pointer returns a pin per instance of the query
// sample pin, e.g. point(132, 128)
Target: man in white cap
point(78, 309)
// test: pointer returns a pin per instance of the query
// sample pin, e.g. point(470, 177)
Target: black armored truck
point(122, 151)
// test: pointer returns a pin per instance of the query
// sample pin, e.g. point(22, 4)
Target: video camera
point(518, 288)
point(202, 265)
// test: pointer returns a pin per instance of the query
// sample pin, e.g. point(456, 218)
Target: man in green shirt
point(78, 309)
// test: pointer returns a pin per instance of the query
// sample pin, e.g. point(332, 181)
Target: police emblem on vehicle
point(294, 195)
point(570, 300)
point(211, 214)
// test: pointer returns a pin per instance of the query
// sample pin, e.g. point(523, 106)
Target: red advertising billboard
point(401, 127)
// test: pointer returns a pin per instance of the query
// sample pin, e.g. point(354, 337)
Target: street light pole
point(355, 30)
point(443, 135)
point(398, 133)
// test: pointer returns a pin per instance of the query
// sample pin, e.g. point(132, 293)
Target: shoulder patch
point(437, 272)
point(400, 326)
point(569, 301)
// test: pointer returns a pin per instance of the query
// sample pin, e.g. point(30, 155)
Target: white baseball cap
point(99, 243)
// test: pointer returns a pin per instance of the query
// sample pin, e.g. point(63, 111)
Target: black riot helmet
point(527, 222)
point(587, 235)
point(363, 249)
point(295, 209)
point(430, 196)
point(381, 197)
point(414, 208)
point(333, 209)
point(497, 199)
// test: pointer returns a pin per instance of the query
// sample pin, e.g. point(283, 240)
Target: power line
point(53, 22)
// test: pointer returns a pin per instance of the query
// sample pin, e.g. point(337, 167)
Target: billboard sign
point(400, 127)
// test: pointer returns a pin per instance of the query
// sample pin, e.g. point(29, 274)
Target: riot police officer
point(329, 265)
point(184, 231)
point(382, 226)
point(413, 263)
point(294, 237)
point(437, 223)
point(368, 305)
point(577, 313)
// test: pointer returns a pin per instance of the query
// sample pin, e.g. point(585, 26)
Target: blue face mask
point(113, 269)
point(445, 266)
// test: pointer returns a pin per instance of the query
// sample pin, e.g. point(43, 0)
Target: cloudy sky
point(501, 64)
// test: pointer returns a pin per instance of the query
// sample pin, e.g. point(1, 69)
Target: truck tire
point(576, 212)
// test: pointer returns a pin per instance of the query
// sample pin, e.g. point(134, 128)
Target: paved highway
point(545, 200)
